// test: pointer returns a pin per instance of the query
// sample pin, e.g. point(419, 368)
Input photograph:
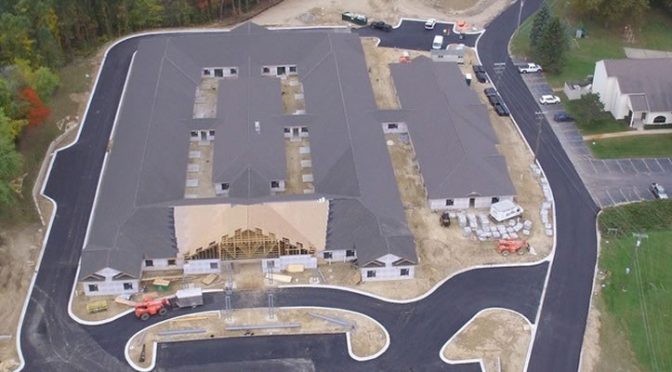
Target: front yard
point(656, 145)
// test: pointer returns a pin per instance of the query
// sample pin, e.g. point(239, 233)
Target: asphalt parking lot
point(413, 36)
point(610, 181)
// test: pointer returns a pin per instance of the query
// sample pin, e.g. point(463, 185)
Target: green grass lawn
point(656, 145)
point(637, 290)
point(601, 43)
point(35, 140)
point(605, 124)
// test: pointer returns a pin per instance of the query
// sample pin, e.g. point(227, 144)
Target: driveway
point(412, 35)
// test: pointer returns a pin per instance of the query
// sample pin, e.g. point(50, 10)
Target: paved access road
point(412, 35)
point(557, 346)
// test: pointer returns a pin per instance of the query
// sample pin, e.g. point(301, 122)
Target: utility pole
point(540, 121)
point(271, 307)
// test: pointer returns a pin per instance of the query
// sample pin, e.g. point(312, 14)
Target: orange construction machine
point(146, 309)
point(507, 246)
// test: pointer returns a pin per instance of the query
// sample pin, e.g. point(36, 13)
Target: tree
point(45, 83)
point(540, 22)
point(551, 51)
point(37, 111)
point(588, 108)
point(10, 161)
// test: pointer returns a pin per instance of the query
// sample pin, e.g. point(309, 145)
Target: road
point(412, 35)
point(557, 345)
point(51, 341)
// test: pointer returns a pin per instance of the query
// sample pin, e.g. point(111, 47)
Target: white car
point(530, 67)
point(549, 99)
point(429, 25)
point(658, 191)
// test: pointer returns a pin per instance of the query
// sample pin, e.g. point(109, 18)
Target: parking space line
point(637, 192)
point(633, 166)
point(660, 165)
point(625, 197)
point(647, 165)
point(610, 198)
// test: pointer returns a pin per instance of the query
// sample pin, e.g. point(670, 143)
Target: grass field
point(657, 145)
point(638, 286)
point(601, 43)
point(35, 140)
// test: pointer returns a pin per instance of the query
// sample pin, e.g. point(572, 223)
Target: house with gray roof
point(452, 136)
point(638, 90)
point(186, 190)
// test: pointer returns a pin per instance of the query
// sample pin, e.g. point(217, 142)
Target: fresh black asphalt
point(557, 346)
point(51, 341)
point(412, 35)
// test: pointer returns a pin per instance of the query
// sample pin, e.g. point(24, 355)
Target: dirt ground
point(367, 337)
point(476, 13)
point(495, 336)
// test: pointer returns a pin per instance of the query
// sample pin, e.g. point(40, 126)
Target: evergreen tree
point(540, 22)
point(553, 44)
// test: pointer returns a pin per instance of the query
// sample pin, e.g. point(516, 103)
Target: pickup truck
point(528, 68)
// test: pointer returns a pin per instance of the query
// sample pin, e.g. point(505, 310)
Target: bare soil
point(19, 247)
point(328, 12)
point(500, 338)
point(367, 337)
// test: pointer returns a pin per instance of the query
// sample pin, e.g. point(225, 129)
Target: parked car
point(501, 110)
point(549, 99)
point(489, 92)
point(494, 99)
point(562, 117)
point(530, 67)
point(481, 76)
point(380, 25)
point(429, 25)
point(358, 19)
point(445, 219)
point(658, 191)
point(437, 43)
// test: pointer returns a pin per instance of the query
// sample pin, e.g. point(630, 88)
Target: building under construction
point(252, 144)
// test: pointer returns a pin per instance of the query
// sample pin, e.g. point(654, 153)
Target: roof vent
point(257, 127)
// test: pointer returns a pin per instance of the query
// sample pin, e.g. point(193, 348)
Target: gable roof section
point(650, 77)
point(450, 128)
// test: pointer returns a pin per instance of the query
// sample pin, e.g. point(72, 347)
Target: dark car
point(380, 25)
point(445, 219)
point(478, 68)
point(481, 77)
point(501, 110)
point(489, 92)
point(562, 117)
point(494, 100)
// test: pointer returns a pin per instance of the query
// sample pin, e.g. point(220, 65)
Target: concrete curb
point(347, 335)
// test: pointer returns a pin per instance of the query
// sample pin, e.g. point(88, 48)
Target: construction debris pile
point(479, 226)
point(547, 205)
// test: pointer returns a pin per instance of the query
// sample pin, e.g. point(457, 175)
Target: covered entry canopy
point(304, 222)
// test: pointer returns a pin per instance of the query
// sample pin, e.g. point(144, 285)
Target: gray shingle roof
point(146, 170)
point(453, 139)
point(651, 77)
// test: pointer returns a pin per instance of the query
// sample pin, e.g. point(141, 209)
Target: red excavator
point(144, 310)
point(508, 246)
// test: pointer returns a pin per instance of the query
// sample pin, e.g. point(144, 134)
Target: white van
point(438, 42)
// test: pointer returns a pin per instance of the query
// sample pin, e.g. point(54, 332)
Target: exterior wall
point(652, 115)
point(162, 264)
point(602, 84)
point(388, 272)
point(621, 106)
point(202, 267)
point(574, 92)
point(338, 255)
point(480, 202)
point(226, 72)
point(109, 286)
point(280, 264)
